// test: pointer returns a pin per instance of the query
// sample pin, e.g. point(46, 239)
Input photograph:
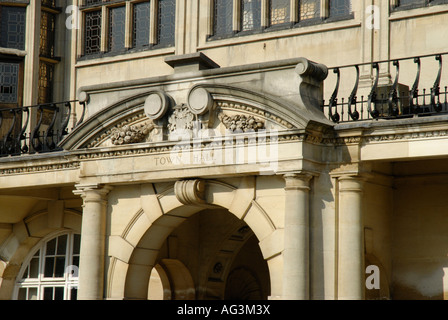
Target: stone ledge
point(191, 62)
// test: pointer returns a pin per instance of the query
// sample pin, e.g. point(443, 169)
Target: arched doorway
point(211, 255)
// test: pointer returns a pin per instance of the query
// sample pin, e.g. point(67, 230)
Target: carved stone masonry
point(131, 134)
point(190, 192)
point(181, 119)
point(241, 123)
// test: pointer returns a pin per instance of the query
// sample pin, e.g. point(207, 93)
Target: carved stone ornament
point(157, 104)
point(200, 101)
point(241, 123)
point(190, 192)
point(181, 119)
point(131, 134)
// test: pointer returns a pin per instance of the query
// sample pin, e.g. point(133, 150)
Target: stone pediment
point(208, 110)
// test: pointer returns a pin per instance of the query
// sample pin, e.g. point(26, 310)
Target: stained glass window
point(223, 17)
point(279, 11)
point(12, 27)
point(117, 18)
point(340, 8)
point(250, 15)
point(47, 23)
point(92, 32)
point(309, 9)
point(49, 3)
point(9, 82)
point(45, 84)
point(141, 24)
point(166, 22)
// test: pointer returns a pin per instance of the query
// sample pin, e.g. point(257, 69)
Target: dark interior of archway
point(222, 255)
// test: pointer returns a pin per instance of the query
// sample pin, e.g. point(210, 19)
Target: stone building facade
point(270, 149)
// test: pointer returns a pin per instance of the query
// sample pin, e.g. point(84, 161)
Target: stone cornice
point(26, 169)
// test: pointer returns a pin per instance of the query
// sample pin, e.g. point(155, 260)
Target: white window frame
point(68, 281)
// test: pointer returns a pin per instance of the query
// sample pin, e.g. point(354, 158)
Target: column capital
point(297, 180)
point(351, 183)
point(92, 192)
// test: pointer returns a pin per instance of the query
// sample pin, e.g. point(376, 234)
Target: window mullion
point(236, 17)
point(294, 11)
point(264, 14)
point(104, 28)
point(210, 11)
point(153, 22)
point(128, 26)
point(324, 9)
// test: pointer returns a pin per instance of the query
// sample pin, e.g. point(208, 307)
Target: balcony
point(36, 129)
point(419, 93)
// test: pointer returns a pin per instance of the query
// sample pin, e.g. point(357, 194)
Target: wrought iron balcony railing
point(51, 120)
point(402, 98)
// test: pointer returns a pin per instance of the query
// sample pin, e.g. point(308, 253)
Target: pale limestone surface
point(374, 192)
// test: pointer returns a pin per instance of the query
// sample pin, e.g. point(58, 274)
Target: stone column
point(351, 239)
point(93, 239)
point(296, 247)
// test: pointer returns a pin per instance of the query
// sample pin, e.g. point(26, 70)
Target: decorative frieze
point(41, 168)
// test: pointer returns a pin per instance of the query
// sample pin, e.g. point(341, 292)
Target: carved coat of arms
point(180, 119)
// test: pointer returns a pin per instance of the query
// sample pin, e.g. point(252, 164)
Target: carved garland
point(237, 106)
point(131, 134)
point(241, 123)
point(108, 133)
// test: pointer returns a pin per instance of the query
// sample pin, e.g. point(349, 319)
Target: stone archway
point(135, 252)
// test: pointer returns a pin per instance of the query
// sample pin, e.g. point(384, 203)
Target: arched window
point(51, 271)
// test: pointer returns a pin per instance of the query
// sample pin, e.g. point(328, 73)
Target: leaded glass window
point(309, 9)
point(9, 82)
point(412, 2)
point(340, 8)
point(90, 2)
point(47, 24)
point(51, 273)
point(279, 11)
point(166, 22)
point(45, 84)
point(250, 15)
point(223, 17)
point(92, 32)
point(49, 3)
point(141, 24)
point(117, 18)
point(149, 24)
point(12, 27)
